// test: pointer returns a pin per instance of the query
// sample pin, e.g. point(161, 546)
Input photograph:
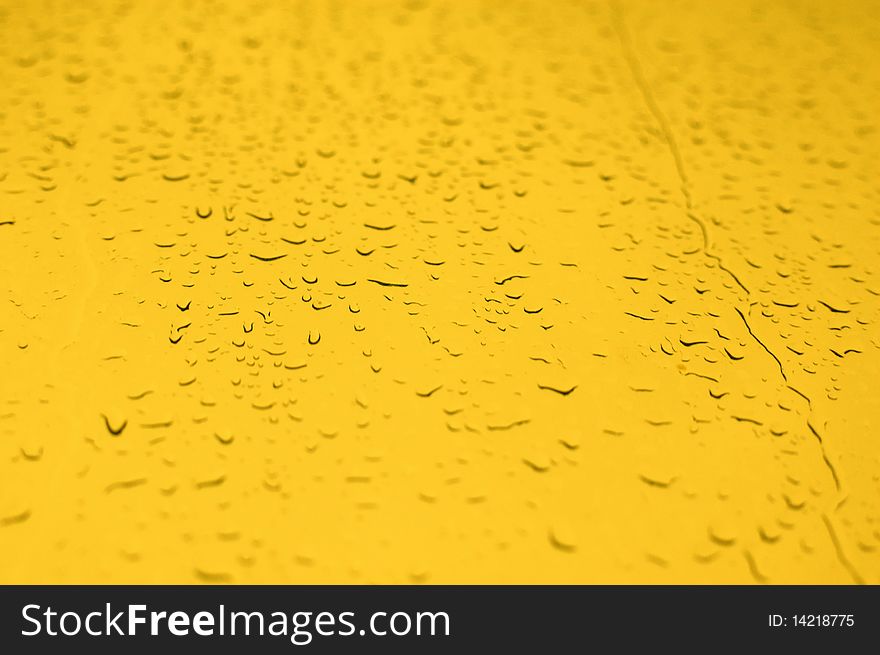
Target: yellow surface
point(445, 292)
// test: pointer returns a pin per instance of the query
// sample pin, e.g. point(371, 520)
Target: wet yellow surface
point(439, 292)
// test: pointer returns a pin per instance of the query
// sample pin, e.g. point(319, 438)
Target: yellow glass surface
point(439, 292)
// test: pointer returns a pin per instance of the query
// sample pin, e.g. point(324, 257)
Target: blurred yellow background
point(444, 292)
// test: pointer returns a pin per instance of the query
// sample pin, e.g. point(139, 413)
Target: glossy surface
point(439, 292)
